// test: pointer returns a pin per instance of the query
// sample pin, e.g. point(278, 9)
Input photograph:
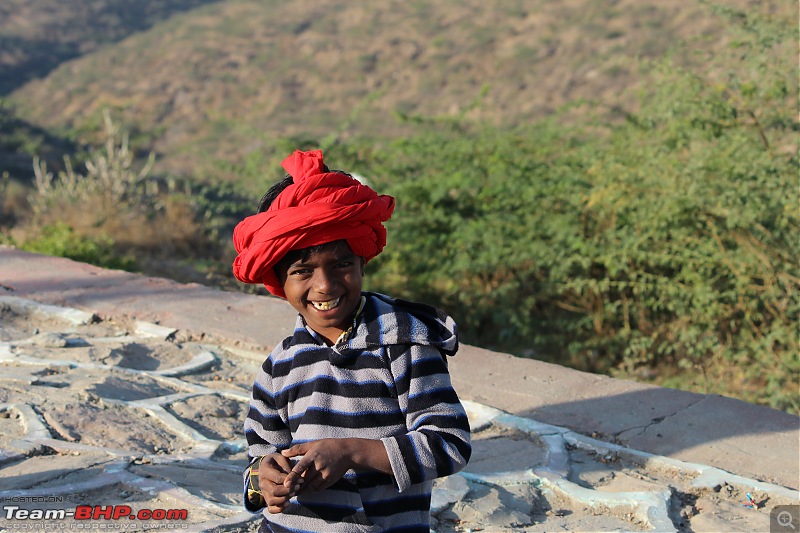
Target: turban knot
point(319, 207)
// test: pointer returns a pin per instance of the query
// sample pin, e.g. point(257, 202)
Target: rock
point(49, 340)
point(447, 491)
point(492, 508)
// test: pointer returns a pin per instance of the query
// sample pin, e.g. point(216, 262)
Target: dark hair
point(278, 188)
point(291, 257)
point(273, 193)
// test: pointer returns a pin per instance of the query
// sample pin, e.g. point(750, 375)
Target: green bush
point(60, 240)
point(110, 181)
point(108, 204)
point(662, 245)
point(615, 254)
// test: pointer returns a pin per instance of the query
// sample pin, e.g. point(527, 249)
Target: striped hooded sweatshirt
point(389, 381)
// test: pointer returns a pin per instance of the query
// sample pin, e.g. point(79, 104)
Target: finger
point(297, 449)
point(270, 490)
point(293, 479)
point(313, 480)
point(282, 462)
point(277, 508)
point(312, 487)
point(271, 475)
point(298, 472)
point(273, 500)
point(269, 470)
point(292, 484)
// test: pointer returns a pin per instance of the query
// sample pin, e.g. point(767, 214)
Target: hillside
point(36, 37)
point(610, 185)
point(213, 85)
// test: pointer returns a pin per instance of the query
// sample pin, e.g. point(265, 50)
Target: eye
point(298, 272)
point(344, 264)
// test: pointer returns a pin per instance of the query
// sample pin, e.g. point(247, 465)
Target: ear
point(363, 263)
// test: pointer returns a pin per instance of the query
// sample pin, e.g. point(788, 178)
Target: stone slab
point(729, 434)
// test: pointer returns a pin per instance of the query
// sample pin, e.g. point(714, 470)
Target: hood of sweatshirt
point(386, 321)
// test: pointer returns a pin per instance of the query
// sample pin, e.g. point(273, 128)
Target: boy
point(353, 416)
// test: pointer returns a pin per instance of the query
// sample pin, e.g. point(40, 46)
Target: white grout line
point(74, 316)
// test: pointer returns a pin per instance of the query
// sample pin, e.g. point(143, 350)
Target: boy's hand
point(272, 480)
point(325, 461)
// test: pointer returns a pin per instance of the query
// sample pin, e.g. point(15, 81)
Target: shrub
point(663, 245)
point(112, 203)
point(108, 184)
point(62, 241)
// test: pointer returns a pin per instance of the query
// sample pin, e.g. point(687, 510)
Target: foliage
point(12, 200)
point(60, 240)
point(656, 241)
point(109, 178)
point(110, 204)
point(664, 245)
point(233, 80)
point(13, 135)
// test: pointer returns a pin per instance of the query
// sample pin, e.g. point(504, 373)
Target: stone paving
point(145, 421)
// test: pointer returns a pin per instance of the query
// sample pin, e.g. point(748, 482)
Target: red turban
point(319, 207)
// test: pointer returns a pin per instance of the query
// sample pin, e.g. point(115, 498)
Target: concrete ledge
point(729, 434)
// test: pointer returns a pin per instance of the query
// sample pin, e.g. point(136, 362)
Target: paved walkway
point(127, 391)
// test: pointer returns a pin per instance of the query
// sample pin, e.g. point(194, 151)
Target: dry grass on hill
point(220, 81)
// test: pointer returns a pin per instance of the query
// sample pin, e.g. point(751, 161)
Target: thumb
point(295, 475)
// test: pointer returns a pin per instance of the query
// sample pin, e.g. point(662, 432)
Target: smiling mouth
point(326, 306)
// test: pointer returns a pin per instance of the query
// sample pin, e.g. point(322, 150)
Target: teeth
point(326, 306)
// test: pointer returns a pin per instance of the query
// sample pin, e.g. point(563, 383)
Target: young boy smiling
point(353, 416)
point(324, 286)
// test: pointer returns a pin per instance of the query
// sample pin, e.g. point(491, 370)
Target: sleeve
point(264, 430)
point(437, 443)
point(253, 501)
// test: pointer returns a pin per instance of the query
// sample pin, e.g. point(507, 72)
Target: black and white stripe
point(388, 381)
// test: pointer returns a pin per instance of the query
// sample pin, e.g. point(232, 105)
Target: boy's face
point(325, 288)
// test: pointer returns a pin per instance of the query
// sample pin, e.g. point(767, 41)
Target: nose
point(324, 282)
